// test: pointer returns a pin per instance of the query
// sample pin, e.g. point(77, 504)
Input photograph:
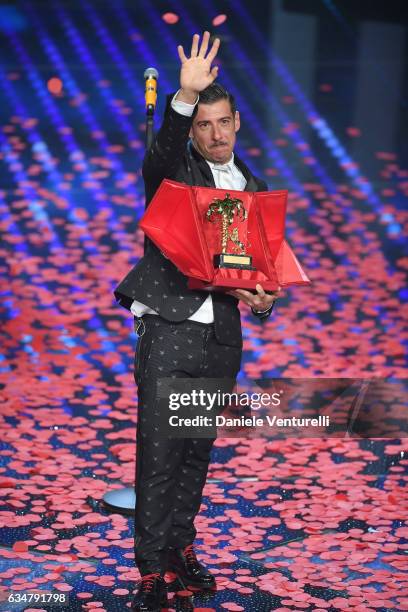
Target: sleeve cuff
point(264, 314)
point(183, 108)
point(259, 312)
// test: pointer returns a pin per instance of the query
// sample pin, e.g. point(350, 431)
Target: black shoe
point(183, 562)
point(152, 594)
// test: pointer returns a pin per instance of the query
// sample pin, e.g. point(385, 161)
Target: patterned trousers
point(171, 472)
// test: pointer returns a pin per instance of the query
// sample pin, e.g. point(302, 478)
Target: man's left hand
point(259, 301)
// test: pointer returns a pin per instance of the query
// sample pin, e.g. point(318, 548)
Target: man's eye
point(225, 121)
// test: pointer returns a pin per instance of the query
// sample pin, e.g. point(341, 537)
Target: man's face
point(213, 131)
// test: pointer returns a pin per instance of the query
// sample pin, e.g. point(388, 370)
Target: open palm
point(196, 72)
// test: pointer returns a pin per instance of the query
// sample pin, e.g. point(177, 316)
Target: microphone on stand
point(151, 76)
point(123, 500)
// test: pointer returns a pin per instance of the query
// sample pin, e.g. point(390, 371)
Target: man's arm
point(169, 145)
point(168, 148)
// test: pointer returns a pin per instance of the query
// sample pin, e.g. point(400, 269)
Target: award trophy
point(226, 210)
point(222, 240)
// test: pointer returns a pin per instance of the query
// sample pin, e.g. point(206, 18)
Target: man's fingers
point(194, 45)
point(204, 44)
point(241, 294)
point(214, 72)
point(214, 49)
point(259, 301)
point(260, 291)
point(181, 53)
point(247, 295)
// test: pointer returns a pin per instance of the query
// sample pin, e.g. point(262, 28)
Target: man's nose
point(217, 133)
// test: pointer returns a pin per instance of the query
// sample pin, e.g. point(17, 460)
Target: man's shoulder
point(260, 184)
point(263, 185)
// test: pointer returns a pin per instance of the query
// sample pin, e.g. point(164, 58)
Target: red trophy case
point(223, 239)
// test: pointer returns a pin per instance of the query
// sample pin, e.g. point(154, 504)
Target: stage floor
point(289, 524)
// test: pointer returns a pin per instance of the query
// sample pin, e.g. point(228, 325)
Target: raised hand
point(196, 72)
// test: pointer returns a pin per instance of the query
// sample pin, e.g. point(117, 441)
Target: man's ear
point(190, 134)
point(237, 121)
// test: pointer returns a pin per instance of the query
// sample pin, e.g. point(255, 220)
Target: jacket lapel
point(206, 174)
point(251, 183)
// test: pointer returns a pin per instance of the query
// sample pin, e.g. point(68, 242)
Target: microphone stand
point(123, 500)
point(149, 125)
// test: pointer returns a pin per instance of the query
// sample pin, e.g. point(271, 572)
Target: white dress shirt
point(226, 176)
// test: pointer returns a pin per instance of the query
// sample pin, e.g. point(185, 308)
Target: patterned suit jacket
point(155, 280)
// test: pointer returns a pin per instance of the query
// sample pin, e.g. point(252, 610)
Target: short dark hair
point(213, 93)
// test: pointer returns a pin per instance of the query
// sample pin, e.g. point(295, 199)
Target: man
point(183, 333)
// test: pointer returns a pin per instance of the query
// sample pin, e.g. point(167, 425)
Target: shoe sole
point(186, 582)
point(164, 603)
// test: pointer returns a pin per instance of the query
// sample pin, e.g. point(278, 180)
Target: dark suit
point(155, 281)
point(171, 473)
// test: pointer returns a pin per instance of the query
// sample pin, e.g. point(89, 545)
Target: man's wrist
point(261, 311)
point(188, 96)
point(264, 314)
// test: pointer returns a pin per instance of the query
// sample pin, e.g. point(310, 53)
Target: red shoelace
point(190, 554)
point(148, 581)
